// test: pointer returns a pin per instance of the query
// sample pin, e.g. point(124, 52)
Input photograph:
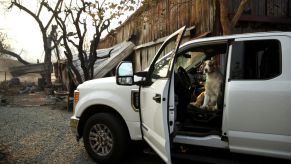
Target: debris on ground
point(14, 81)
point(4, 154)
point(3, 101)
point(31, 88)
point(16, 93)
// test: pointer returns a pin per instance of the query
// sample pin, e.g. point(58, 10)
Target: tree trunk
point(48, 55)
point(72, 67)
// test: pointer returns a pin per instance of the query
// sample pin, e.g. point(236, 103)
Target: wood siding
point(161, 18)
point(263, 15)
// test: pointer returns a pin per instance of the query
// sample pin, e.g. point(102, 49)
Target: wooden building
point(151, 23)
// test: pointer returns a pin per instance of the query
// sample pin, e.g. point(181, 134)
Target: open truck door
point(157, 98)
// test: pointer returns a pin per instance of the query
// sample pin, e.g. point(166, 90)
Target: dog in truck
point(212, 85)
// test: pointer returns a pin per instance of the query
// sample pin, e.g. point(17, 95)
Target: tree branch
point(13, 54)
point(73, 43)
point(30, 13)
point(57, 50)
point(53, 11)
point(58, 41)
point(39, 10)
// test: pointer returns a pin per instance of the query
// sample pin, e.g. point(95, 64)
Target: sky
point(23, 32)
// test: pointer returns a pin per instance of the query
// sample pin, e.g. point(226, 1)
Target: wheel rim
point(100, 138)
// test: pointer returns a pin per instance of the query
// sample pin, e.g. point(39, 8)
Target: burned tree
point(5, 50)
point(76, 19)
point(44, 27)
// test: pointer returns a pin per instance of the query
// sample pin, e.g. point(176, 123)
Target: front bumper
point(74, 127)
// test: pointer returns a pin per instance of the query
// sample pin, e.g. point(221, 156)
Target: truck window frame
point(277, 49)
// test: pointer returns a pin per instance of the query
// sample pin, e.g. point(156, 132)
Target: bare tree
point(75, 18)
point(3, 44)
point(5, 49)
point(44, 27)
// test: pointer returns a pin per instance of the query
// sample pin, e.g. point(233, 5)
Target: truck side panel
point(257, 112)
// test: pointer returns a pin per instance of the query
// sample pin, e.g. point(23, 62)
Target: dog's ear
point(215, 64)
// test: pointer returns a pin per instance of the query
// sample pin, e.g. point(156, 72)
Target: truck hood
point(107, 84)
point(103, 83)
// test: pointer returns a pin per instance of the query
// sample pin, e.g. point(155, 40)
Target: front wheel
point(105, 138)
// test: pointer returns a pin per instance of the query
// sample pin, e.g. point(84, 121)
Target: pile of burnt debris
point(17, 93)
point(3, 101)
point(4, 154)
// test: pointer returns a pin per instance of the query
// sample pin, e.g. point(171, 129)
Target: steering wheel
point(184, 79)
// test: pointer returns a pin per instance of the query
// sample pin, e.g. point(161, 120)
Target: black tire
point(108, 134)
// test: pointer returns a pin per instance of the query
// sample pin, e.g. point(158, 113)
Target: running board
point(209, 141)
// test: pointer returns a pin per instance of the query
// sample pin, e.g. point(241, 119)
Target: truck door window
point(162, 68)
point(255, 60)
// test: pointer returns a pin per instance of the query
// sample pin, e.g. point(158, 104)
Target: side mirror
point(124, 73)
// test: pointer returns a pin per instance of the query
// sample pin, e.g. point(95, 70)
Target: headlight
point(76, 98)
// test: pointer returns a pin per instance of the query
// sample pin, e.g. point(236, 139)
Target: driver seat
point(183, 92)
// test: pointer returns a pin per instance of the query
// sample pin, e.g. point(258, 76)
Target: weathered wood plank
point(137, 59)
point(151, 54)
point(144, 58)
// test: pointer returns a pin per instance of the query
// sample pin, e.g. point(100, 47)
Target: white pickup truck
point(253, 114)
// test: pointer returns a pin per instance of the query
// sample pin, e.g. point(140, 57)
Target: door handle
point(157, 98)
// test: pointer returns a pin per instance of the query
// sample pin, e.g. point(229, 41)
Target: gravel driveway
point(42, 135)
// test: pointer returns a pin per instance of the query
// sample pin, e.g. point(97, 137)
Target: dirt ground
point(34, 128)
point(42, 135)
